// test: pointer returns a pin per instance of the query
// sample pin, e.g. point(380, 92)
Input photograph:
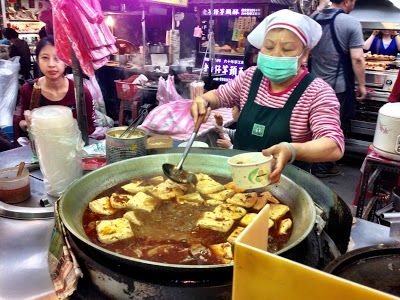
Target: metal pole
point(3, 13)
point(144, 35)
point(79, 97)
point(173, 18)
point(211, 44)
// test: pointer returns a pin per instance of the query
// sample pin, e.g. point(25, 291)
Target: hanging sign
point(236, 32)
point(171, 2)
point(254, 11)
point(230, 67)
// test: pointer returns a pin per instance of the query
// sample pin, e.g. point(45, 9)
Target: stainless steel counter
point(24, 244)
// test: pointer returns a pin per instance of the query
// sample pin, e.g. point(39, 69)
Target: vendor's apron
point(260, 127)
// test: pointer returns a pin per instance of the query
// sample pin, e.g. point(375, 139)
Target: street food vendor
point(285, 111)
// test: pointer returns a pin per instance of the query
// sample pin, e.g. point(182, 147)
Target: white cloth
point(308, 30)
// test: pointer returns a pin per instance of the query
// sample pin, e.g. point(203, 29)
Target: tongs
point(132, 127)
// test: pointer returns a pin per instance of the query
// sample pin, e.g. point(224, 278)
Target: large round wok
point(80, 192)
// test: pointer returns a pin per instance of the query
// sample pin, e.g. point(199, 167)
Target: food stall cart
point(24, 273)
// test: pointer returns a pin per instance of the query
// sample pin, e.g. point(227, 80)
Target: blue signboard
point(230, 67)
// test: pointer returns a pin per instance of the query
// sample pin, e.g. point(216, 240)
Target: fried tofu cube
point(131, 217)
point(247, 219)
point(111, 231)
point(202, 176)
point(102, 206)
point(168, 190)
point(223, 251)
point(260, 203)
point(208, 186)
point(222, 195)
point(270, 223)
point(270, 198)
point(243, 199)
point(231, 186)
point(191, 199)
point(136, 186)
point(143, 201)
point(215, 221)
point(230, 211)
point(284, 226)
point(212, 202)
point(233, 236)
point(119, 201)
point(278, 211)
point(156, 180)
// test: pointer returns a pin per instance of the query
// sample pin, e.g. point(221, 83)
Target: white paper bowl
point(250, 170)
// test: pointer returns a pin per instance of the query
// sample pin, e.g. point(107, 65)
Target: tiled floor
point(345, 184)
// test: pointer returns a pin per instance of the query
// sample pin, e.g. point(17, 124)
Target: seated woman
point(51, 89)
point(383, 42)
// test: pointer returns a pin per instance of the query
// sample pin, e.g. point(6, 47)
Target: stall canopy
point(170, 2)
point(207, 2)
point(375, 14)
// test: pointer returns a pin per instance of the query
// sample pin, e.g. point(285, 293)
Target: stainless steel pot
point(79, 193)
point(157, 49)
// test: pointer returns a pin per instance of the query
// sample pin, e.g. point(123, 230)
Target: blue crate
point(9, 131)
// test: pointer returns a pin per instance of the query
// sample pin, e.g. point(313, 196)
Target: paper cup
point(250, 170)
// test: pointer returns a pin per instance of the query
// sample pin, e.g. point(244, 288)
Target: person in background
point(224, 142)
point(383, 42)
point(5, 142)
point(338, 59)
point(42, 32)
point(53, 88)
point(285, 111)
point(250, 54)
point(19, 48)
point(4, 41)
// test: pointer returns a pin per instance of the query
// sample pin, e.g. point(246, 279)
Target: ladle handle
point(192, 136)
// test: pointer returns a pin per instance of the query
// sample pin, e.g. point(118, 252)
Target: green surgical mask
point(278, 69)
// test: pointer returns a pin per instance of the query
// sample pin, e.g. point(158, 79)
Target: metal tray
point(377, 267)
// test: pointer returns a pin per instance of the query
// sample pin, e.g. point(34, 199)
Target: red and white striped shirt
point(316, 114)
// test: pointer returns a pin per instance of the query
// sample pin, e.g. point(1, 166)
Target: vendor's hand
point(282, 154)
point(361, 93)
point(323, 3)
point(375, 32)
point(26, 124)
point(199, 108)
point(224, 143)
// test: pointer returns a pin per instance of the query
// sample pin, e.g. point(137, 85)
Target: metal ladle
point(176, 173)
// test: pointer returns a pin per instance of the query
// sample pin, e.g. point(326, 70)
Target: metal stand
point(369, 179)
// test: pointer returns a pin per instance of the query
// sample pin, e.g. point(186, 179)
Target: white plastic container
point(14, 189)
point(387, 133)
point(250, 170)
point(58, 143)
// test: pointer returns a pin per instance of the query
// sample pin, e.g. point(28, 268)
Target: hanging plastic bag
point(166, 90)
point(169, 118)
point(9, 70)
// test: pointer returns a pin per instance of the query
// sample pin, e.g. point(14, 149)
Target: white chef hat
point(308, 30)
